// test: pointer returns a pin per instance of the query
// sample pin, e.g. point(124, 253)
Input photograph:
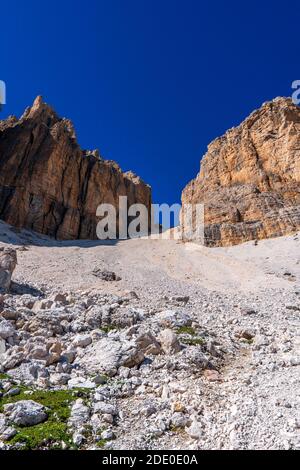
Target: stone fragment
point(8, 262)
point(169, 342)
point(25, 413)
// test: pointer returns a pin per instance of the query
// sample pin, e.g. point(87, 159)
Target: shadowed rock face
point(250, 178)
point(49, 184)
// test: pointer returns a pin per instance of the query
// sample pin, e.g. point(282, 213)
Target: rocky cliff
point(49, 184)
point(249, 181)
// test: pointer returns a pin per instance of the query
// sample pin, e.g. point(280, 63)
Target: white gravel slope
point(248, 288)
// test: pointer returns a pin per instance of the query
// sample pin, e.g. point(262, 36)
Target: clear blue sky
point(149, 82)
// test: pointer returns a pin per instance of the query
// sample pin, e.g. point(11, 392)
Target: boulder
point(25, 413)
point(169, 342)
point(108, 354)
point(8, 262)
point(147, 343)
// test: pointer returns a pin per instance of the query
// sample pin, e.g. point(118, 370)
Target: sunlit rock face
point(249, 181)
point(49, 184)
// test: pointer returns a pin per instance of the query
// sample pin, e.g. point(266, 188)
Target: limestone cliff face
point(49, 184)
point(250, 178)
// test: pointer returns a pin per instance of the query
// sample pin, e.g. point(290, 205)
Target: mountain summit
point(249, 181)
point(49, 184)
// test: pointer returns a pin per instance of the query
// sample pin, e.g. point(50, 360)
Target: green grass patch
point(58, 401)
point(186, 330)
point(52, 432)
point(193, 341)
point(108, 328)
point(101, 443)
point(247, 341)
point(190, 337)
point(4, 376)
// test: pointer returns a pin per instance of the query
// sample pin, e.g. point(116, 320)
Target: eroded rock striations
point(250, 178)
point(49, 184)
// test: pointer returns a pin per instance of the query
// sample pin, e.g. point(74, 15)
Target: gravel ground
point(226, 373)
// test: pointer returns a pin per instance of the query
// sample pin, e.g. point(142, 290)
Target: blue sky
point(149, 83)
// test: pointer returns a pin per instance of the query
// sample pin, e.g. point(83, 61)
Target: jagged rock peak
point(38, 103)
point(39, 107)
point(49, 184)
point(249, 181)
